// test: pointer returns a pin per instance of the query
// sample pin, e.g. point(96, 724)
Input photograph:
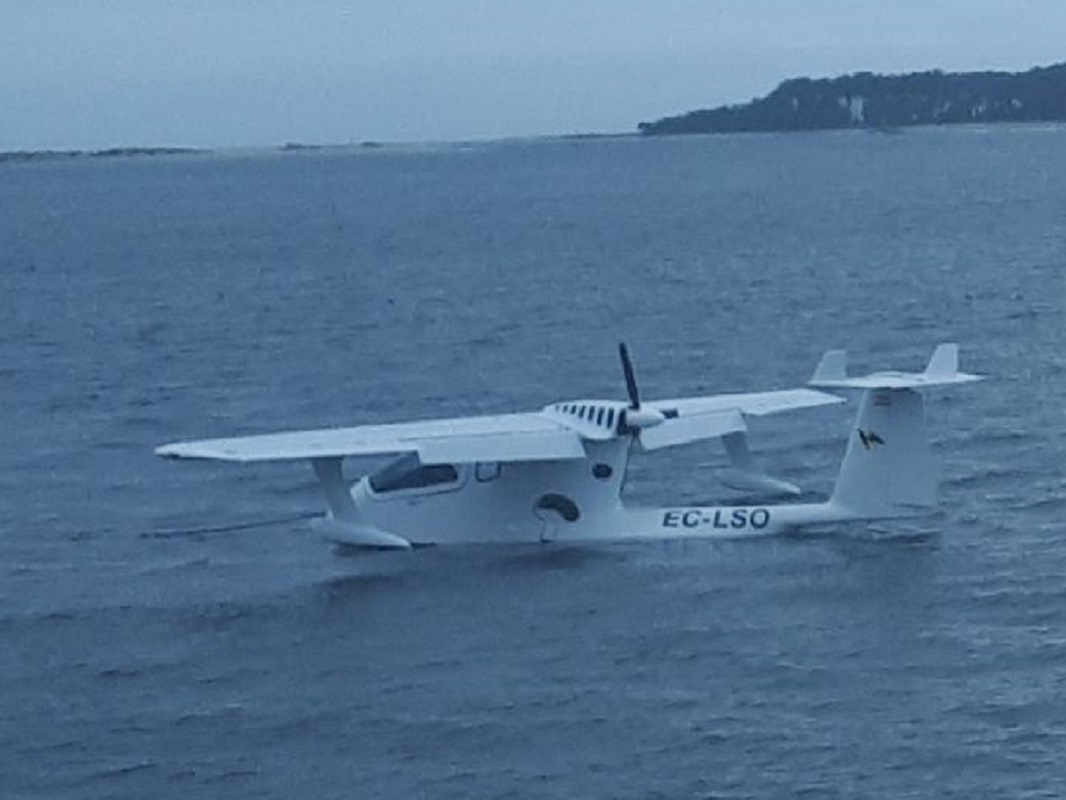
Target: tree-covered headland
point(868, 100)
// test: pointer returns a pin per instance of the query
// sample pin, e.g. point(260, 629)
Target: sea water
point(153, 646)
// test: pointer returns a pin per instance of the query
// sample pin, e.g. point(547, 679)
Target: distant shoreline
point(865, 100)
point(23, 156)
point(52, 156)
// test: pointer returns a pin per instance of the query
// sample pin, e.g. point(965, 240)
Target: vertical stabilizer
point(944, 363)
point(888, 469)
point(832, 367)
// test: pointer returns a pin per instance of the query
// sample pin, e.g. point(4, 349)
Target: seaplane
point(557, 475)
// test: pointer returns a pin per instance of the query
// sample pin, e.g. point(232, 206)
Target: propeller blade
point(631, 378)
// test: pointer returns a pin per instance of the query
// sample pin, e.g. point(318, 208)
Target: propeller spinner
point(634, 418)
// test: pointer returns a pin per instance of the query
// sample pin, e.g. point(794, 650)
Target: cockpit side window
point(408, 473)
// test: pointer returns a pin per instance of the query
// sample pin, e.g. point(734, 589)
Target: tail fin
point(942, 370)
point(888, 469)
point(944, 363)
point(831, 369)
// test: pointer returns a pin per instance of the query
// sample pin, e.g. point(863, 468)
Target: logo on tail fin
point(869, 439)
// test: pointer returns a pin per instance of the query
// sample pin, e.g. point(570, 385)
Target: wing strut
point(330, 473)
point(345, 524)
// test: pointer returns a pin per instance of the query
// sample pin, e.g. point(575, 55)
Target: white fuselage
point(512, 502)
point(562, 501)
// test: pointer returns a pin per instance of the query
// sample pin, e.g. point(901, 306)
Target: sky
point(225, 73)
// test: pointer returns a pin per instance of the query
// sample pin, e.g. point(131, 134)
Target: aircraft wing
point(692, 419)
point(756, 404)
point(506, 437)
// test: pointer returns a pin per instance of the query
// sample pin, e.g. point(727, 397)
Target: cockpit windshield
point(407, 472)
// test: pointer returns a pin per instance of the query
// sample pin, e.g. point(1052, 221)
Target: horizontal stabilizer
point(942, 370)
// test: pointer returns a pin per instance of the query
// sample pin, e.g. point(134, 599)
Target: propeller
point(634, 418)
point(631, 378)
